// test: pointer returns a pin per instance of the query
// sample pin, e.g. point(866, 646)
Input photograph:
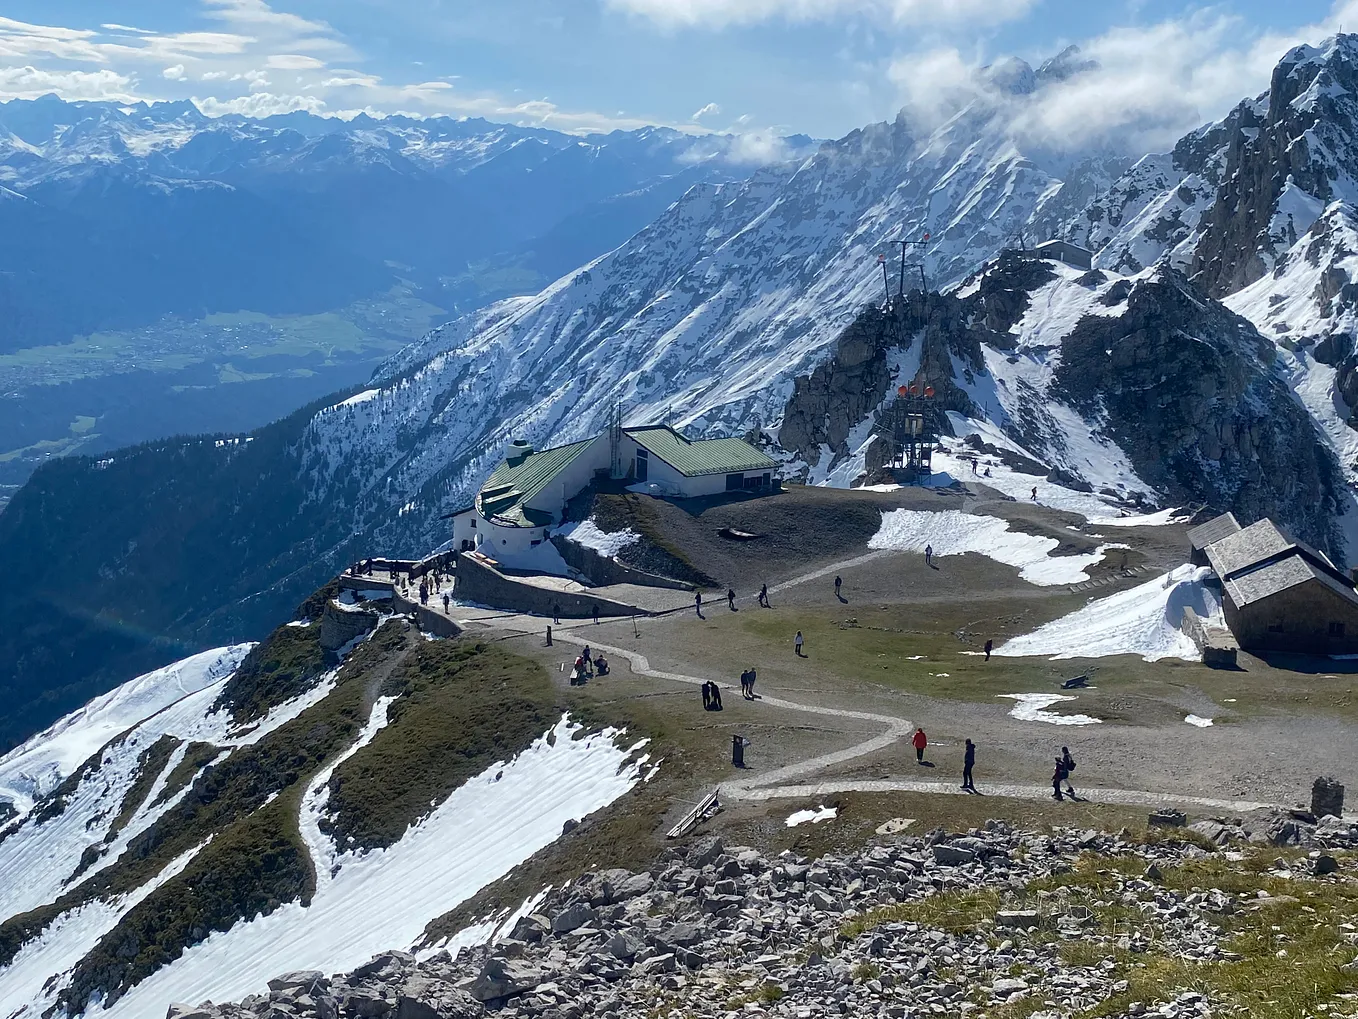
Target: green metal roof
point(502, 496)
point(693, 458)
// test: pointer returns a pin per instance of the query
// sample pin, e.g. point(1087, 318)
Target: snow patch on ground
point(1141, 621)
point(486, 827)
point(952, 532)
point(1032, 707)
point(814, 816)
point(1198, 720)
point(607, 543)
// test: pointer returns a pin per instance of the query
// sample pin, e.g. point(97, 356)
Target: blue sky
point(820, 67)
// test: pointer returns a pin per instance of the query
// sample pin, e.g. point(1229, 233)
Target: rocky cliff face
point(1188, 390)
point(1082, 371)
point(1233, 196)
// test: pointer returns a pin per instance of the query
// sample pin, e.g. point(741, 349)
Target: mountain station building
point(527, 494)
point(1278, 594)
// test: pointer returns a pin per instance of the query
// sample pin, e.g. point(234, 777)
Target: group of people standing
point(1064, 765)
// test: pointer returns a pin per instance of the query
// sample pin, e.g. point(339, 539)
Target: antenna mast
point(615, 442)
point(923, 245)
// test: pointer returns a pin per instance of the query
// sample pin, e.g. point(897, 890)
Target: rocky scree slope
point(986, 922)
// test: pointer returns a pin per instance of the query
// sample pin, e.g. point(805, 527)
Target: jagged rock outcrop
point(1187, 389)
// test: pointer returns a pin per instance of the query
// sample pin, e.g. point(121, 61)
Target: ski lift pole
point(886, 280)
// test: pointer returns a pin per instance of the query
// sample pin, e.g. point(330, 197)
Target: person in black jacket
point(969, 762)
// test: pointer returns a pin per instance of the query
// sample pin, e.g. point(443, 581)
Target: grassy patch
point(1286, 950)
point(658, 553)
point(149, 766)
point(286, 665)
point(462, 706)
point(198, 755)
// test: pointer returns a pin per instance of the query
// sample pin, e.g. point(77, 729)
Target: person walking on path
point(839, 582)
point(928, 555)
point(969, 762)
point(1058, 776)
point(556, 613)
point(707, 696)
point(797, 643)
point(716, 697)
point(1068, 764)
point(744, 684)
point(1034, 493)
point(749, 686)
point(764, 596)
point(445, 603)
point(596, 613)
point(989, 647)
point(920, 741)
point(731, 598)
point(698, 603)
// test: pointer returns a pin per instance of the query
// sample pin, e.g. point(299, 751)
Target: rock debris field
point(992, 922)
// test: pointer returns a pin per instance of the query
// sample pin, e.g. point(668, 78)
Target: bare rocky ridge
point(1186, 388)
point(712, 931)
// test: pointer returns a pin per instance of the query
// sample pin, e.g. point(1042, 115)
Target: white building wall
point(465, 527)
point(495, 540)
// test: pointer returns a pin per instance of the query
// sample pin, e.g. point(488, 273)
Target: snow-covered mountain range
point(709, 314)
point(161, 209)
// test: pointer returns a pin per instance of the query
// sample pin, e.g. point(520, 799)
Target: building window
point(735, 482)
point(643, 463)
point(532, 543)
point(1336, 629)
point(473, 523)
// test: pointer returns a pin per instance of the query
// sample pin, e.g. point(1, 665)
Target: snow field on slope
point(37, 860)
point(39, 765)
point(40, 971)
point(607, 543)
point(952, 532)
point(1143, 620)
point(954, 459)
point(370, 902)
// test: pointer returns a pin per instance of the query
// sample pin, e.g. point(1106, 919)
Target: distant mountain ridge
point(159, 209)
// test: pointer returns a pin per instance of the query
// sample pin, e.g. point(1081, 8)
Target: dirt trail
point(780, 784)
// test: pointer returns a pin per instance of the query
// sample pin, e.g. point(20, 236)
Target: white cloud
point(710, 110)
point(1152, 84)
point(293, 62)
point(351, 79)
point(723, 13)
point(175, 73)
point(30, 83)
point(109, 27)
point(259, 104)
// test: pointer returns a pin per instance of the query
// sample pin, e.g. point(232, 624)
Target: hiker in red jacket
point(921, 741)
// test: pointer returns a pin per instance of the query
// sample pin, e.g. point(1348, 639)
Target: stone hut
point(1204, 534)
point(1280, 594)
